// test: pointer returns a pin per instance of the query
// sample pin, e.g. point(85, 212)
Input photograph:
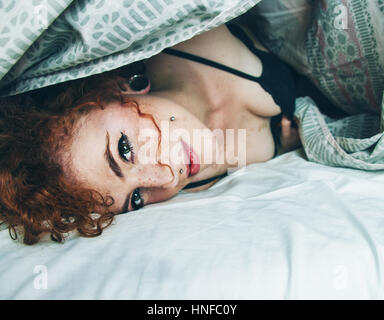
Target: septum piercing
point(172, 118)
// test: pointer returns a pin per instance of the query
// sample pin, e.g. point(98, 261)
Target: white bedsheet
point(285, 229)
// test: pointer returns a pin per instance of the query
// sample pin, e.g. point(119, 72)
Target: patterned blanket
point(45, 42)
point(339, 45)
point(355, 142)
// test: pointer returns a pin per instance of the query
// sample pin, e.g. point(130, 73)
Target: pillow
point(46, 42)
point(338, 45)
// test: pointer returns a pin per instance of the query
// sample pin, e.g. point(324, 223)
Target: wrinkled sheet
point(285, 229)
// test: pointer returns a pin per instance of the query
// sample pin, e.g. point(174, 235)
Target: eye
point(125, 148)
point(137, 201)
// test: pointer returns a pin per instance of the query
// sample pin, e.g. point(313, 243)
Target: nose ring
point(181, 171)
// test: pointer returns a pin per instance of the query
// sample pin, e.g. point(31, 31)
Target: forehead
point(98, 119)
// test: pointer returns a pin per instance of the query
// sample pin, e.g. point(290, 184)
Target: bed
point(306, 225)
point(285, 229)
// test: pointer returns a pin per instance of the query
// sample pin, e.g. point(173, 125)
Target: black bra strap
point(210, 63)
point(203, 182)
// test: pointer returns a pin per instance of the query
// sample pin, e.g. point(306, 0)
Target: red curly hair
point(35, 129)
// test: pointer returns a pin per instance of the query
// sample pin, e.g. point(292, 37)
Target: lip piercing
point(181, 171)
point(172, 118)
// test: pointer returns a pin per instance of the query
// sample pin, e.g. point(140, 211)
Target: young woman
point(73, 154)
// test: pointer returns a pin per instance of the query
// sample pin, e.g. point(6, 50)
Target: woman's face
point(116, 151)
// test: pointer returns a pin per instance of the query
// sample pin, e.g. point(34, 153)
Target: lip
point(193, 165)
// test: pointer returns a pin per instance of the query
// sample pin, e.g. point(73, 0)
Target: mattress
point(284, 229)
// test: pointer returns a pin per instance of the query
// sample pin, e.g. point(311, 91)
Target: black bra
point(277, 78)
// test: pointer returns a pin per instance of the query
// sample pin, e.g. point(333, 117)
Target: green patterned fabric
point(356, 141)
point(45, 42)
point(338, 44)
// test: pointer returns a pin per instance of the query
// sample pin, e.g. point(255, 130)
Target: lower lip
point(194, 161)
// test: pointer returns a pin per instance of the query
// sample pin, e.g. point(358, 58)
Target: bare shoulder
point(221, 46)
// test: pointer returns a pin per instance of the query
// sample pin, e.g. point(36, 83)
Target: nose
point(157, 175)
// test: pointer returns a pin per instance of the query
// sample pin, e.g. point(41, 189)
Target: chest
point(241, 109)
point(222, 100)
point(246, 136)
point(220, 46)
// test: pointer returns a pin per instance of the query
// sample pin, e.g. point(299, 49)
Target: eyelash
point(122, 145)
point(134, 206)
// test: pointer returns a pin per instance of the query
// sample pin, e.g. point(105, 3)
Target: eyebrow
point(117, 170)
point(111, 161)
